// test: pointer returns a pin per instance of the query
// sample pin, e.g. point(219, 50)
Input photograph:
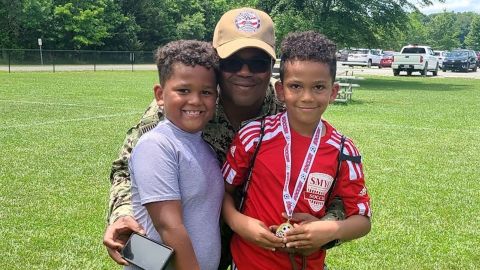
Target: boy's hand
point(257, 232)
point(301, 218)
point(311, 235)
point(117, 235)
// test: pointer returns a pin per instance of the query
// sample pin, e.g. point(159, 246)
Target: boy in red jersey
point(295, 168)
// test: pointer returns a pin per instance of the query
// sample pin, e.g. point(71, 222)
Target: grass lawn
point(418, 136)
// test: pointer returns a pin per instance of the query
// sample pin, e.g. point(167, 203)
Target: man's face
point(244, 77)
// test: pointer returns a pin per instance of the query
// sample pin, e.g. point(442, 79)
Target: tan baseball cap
point(244, 28)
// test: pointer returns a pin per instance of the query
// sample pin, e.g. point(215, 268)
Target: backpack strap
point(341, 157)
point(243, 190)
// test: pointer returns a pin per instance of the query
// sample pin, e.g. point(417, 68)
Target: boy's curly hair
point(187, 52)
point(308, 46)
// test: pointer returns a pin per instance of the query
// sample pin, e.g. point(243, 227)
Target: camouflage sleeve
point(120, 203)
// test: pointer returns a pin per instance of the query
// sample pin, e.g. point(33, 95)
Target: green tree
point(351, 23)
point(9, 23)
point(87, 24)
point(472, 40)
point(462, 22)
point(443, 33)
point(23, 22)
point(160, 21)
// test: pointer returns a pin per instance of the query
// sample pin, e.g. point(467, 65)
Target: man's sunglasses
point(233, 65)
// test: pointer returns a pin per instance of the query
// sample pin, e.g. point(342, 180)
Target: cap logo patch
point(247, 21)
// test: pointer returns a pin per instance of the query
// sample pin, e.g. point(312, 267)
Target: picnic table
point(347, 82)
point(346, 79)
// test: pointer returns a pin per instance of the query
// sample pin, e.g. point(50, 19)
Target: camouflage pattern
point(218, 133)
point(120, 203)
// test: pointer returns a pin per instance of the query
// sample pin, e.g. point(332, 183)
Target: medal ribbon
point(290, 201)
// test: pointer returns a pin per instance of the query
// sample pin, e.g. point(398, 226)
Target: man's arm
point(120, 203)
point(120, 216)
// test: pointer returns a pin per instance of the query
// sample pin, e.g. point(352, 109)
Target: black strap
point(339, 164)
point(341, 157)
point(243, 193)
point(291, 257)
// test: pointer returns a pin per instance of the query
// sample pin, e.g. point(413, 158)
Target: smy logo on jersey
point(318, 185)
point(247, 21)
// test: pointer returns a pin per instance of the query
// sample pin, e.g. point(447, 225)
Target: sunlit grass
point(418, 136)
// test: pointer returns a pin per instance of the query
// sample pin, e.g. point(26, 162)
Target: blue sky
point(453, 5)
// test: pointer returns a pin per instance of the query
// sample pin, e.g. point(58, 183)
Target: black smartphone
point(146, 253)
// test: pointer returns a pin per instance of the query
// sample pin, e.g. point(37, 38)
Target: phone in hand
point(146, 253)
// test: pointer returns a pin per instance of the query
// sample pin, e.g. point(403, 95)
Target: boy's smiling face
point(306, 90)
point(188, 96)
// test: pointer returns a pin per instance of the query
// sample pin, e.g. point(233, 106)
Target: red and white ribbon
point(290, 201)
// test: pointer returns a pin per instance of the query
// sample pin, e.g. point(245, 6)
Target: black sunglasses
point(233, 65)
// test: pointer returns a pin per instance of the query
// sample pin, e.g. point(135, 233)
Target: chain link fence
point(62, 60)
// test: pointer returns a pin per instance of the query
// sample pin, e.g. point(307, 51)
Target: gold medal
point(283, 228)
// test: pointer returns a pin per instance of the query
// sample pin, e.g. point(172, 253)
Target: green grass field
point(418, 136)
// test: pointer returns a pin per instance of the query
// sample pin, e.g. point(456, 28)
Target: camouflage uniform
point(218, 133)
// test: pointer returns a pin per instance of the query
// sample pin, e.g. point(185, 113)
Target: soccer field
point(418, 137)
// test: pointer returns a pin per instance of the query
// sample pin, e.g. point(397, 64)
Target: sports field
point(418, 136)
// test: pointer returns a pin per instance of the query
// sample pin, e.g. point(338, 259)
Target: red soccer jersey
point(264, 196)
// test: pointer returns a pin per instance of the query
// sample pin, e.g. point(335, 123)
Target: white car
point(363, 57)
point(440, 55)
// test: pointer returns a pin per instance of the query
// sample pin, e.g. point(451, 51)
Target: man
point(244, 39)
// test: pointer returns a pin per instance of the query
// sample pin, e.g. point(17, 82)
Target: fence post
point(95, 60)
point(8, 53)
point(53, 60)
point(132, 58)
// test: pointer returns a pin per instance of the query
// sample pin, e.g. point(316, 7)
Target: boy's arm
point(248, 228)
point(167, 219)
point(234, 172)
point(350, 187)
point(312, 235)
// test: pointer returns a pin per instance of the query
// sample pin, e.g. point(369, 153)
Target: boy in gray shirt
point(177, 186)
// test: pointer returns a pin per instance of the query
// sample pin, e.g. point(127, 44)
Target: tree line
point(146, 24)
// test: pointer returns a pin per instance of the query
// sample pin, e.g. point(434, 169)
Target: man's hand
point(117, 234)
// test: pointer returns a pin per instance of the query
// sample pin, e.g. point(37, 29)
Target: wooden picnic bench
point(345, 92)
point(344, 80)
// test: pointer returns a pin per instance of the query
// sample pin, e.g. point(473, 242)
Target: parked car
point(363, 57)
point(478, 59)
point(387, 59)
point(460, 60)
point(440, 55)
point(342, 55)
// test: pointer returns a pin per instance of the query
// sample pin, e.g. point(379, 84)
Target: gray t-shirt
point(171, 164)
